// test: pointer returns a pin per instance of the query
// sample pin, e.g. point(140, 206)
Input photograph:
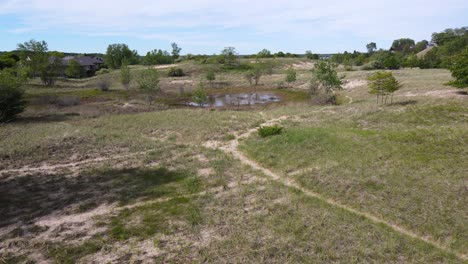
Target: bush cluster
point(266, 131)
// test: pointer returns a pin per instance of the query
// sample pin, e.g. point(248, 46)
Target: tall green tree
point(229, 55)
point(175, 51)
point(264, 53)
point(117, 53)
point(34, 55)
point(325, 73)
point(404, 45)
point(371, 47)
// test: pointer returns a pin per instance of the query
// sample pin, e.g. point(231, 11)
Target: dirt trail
point(72, 165)
point(232, 148)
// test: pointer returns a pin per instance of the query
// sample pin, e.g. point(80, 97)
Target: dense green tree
point(448, 35)
point(74, 70)
point(280, 54)
point(230, 56)
point(459, 69)
point(325, 73)
point(264, 53)
point(34, 55)
point(391, 62)
point(404, 45)
point(117, 53)
point(421, 45)
point(175, 51)
point(157, 57)
point(11, 95)
point(371, 47)
point(8, 60)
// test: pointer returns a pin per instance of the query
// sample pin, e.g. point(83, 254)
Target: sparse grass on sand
point(153, 187)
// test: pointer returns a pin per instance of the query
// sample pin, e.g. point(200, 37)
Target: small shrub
point(175, 72)
point(266, 131)
point(104, 84)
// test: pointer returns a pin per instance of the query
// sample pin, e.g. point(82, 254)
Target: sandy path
point(232, 148)
point(72, 165)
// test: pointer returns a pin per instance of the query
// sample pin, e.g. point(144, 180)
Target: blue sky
point(207, 26)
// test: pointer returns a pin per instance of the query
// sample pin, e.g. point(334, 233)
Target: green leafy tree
point(157, 57)
point(371, 47)
point(325, 73)
point(383, 84)
point(229, 55)
point(459, 69)
point(175, 51)
point(8, 60)
point(264, 53)
point(51, 71)
point(291, 76)
point(34, 55)
point(421, 45)
point(311, 56)
point(11, 95)
point(74, 70)
point(200, 95)
point(117, 53)
point(404, 45)
point(125, 75)
point(149, 84)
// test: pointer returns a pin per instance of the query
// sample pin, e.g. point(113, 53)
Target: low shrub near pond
point(266, 131)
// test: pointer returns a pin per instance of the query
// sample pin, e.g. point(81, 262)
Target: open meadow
point(92, 176)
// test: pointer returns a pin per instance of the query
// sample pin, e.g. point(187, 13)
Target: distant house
point(90, 64)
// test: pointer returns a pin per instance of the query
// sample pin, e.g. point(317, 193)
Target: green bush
point(459, 69)
point(175, 72)
point(266, 131)
point(11, 95)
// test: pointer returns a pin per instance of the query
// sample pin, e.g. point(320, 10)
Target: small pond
point(239, 99)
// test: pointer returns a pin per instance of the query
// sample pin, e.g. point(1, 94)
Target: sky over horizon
point(207, 26)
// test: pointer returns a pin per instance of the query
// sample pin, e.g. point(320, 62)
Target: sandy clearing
point(452, 93)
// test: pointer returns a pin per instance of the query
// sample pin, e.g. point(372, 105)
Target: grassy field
point(100, 182)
